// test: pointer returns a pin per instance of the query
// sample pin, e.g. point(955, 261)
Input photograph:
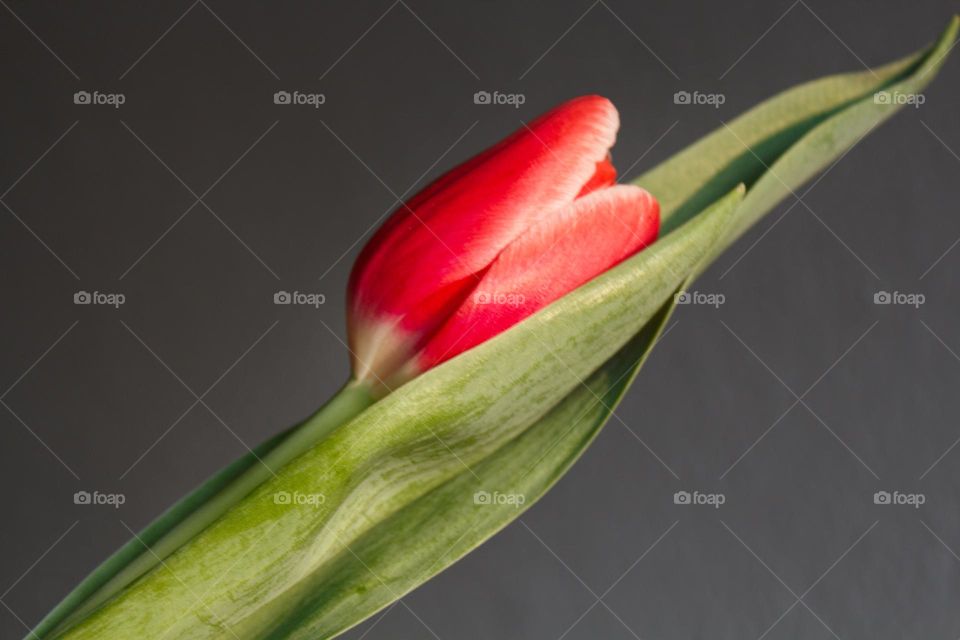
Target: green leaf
point(203, 506)
point(398, 481)
point(134, 549)
point(258, 564)
point(438, 528)
point(742, 150)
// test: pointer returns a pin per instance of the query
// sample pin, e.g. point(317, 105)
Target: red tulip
point(493, 241)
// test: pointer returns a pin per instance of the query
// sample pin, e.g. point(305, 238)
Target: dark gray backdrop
point(797, 399)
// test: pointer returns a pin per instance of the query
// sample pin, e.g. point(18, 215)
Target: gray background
point(797, 399)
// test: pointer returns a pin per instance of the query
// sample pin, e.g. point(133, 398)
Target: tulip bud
point(493, 241)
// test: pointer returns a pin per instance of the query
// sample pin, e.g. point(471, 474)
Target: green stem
point(239, 481)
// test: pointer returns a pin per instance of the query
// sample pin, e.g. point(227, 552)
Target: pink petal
point(559, 254)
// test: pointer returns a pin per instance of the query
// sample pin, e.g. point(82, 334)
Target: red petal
point(586, 238)
point(456, 226)
point(605, 175)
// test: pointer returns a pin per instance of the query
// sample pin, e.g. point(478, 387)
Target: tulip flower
point(493, 241)
point(394, 481)
point(481, 248)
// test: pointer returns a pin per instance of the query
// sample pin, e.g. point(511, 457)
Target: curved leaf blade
point(742, 150)
point(400, 449)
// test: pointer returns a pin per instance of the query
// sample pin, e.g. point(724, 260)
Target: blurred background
point(147, 161)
